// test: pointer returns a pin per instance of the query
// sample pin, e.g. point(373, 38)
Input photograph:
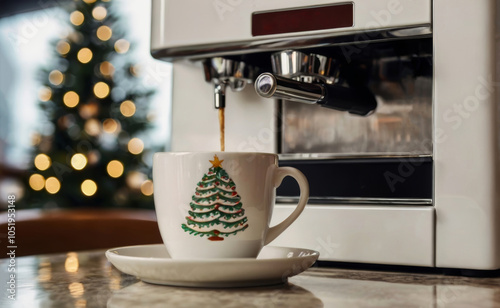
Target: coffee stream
point(221, 129)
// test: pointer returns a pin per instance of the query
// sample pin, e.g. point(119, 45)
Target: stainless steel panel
point(401, 124)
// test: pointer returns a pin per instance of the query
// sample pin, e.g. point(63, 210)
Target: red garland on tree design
point(215, 206)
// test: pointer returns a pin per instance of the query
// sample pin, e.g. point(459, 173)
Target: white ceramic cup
point(219, 204)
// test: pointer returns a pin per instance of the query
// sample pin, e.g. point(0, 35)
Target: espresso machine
point(389, 107)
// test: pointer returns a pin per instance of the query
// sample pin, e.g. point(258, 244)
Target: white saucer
point(152, 263)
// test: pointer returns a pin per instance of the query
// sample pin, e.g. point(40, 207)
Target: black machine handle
point(359, 101)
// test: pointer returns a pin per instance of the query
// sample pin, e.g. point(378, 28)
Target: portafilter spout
point(225, 72)
point(312, 79)
point(359, 101)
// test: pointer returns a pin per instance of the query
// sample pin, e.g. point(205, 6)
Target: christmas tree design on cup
point(216, 207)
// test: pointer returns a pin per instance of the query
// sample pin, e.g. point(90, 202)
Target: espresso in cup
point(219, 204)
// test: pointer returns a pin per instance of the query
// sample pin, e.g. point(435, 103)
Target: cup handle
point(279, 175)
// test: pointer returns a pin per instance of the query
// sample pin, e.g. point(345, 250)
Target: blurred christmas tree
point(97, 105)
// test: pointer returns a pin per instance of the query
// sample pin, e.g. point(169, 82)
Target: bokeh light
point(36, 138)
point(44, 271)
point(104, 33)
point(76, 18)
point(110, 126)
point(37, 182)
point(56, 77)
point(147, 188)
point(78, 161)
point(89, 110)
point(92, 127)
point(127, 108)
point(89, 188)
point(76, 289)
point(115, 168)
point(135, 146)
point(71, 99)
point(101, 89)
point(42, 162)
point(52, 185)
point(122, 46)
point(135, 179)
point(84, 55)
point(45, 94)
point(71, 264)
point(135, 70)
point(99, 12)
point(107, 69)
point(66, 121)
point(63, 47)
point(94, 156)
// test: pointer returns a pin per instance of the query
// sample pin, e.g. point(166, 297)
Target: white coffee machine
point(403, 164)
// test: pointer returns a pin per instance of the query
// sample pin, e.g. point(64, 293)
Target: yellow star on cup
point(216, 162)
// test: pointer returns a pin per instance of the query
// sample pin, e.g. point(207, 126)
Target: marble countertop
point(87, 279)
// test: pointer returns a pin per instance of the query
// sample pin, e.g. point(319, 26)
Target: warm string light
point(93, 157)
point(107, 69)
point(135, 146)
point(92, 127)
point(71, 99)
point(84, 55)
point(110, 126)
point(127, 108)
point(78, 161)
point(135, 179)
point(56, 77)
point(88, 188)
point(115, 168)
point(44, 94)
point(104, 33)
point(37, 182)
point(122, 46)
point(101, 89)
point(52, 185)
point(63, 47)
point(147, 188)
point(99, 13)
point(42, 162)
point(76, 18)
